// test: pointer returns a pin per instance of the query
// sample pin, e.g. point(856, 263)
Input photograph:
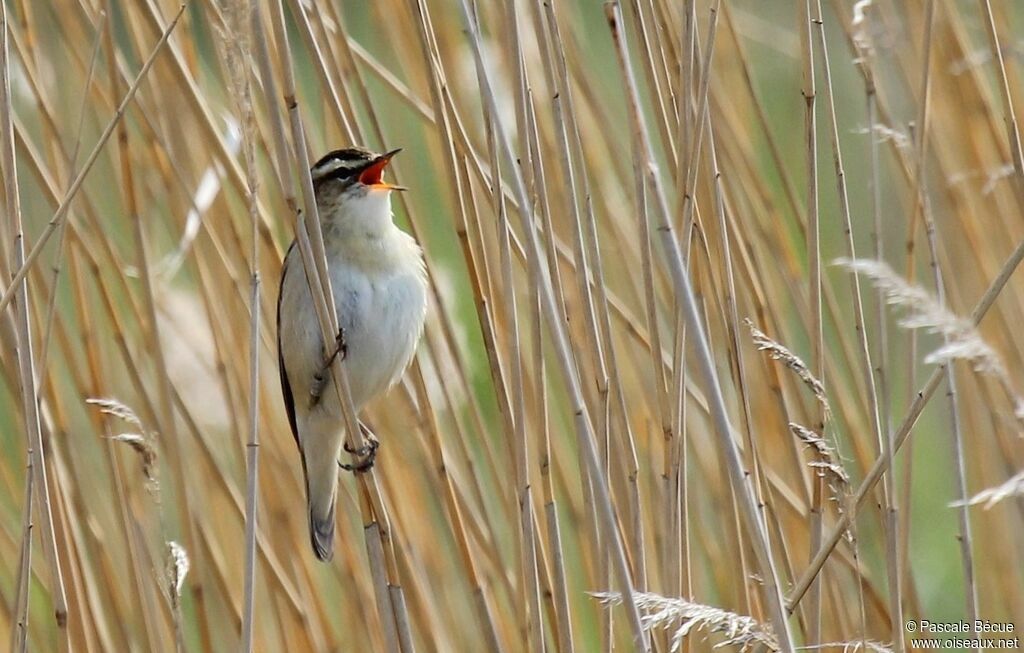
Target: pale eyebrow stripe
point(329, 167)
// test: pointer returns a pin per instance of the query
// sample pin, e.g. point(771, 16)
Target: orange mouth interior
point(374, 173)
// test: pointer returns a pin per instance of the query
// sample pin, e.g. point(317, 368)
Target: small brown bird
point(379, 284)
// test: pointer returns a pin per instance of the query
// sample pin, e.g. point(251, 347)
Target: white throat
point(360, 227)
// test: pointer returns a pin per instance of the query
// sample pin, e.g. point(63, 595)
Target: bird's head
point(349, 183)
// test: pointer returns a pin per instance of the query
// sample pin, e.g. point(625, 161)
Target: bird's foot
point(365, 456)
point(340, 347)
point(316, 390)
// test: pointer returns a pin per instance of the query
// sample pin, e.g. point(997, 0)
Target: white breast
point(382, 313)
point(379, 284)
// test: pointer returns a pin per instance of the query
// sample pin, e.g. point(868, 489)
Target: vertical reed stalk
point(867, 370)
point(583, 414)
point(26, 368)
point(239, 21)
point(584, 428)
point(310, 239)
point(816, 333)
point(745, 491)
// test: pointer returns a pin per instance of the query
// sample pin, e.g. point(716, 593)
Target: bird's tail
point(321, 469)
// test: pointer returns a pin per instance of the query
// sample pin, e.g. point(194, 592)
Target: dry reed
point(602, 193)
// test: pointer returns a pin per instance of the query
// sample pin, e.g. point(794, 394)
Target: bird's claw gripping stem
point(320, 378)
point(365, 456)
point(340, 347)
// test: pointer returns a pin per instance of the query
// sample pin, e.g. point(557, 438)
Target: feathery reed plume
point(977, 58)
point(828, 459)
point(1014, 487)
point(178, 565)
point(532, 160)
point(141, 442)
point(779, 352)
point(859, 8)
point(141, 446)
point(116, 408)
point(886, 134)
point(682, 617)
point(176, 568)
point(922, 310)
point(994, 176)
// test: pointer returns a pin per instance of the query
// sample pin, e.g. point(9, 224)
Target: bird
point(379, 283)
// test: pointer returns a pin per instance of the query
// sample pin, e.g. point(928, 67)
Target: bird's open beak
point(373, 174)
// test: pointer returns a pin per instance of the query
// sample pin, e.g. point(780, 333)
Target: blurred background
point(136, 338)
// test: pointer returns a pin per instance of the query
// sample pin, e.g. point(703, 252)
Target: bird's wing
point(286, 387)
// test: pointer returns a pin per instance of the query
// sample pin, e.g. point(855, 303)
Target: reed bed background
point(649, 403)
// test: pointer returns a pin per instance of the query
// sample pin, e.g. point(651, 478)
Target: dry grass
point(604, 194)
point(684, 619)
